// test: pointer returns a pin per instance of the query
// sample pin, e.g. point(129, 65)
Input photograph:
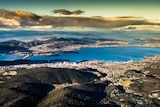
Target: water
point(9, 57)
point(120, 35)
point(106, 53)
point(115, 54)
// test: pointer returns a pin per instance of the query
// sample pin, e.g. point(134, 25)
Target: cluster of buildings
point(112, 69)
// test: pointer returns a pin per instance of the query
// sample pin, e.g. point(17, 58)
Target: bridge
point(27, 56)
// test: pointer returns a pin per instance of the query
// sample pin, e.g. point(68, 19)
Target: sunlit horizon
point(105, 8)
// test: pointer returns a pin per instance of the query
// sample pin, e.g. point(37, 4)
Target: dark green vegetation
point(21, 61)
point(14, 46)
point(144, 91)
point(88, 95)
point(29, 87)
point(37, 88)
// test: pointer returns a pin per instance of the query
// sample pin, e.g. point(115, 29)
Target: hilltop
point(68, 87)
point(29, 87)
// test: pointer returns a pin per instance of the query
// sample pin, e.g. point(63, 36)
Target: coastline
point(119, 79)
point(112, 69)
point(53, 46)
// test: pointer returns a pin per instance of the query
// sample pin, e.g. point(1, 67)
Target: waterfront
point(114, 54)
point(109, 45)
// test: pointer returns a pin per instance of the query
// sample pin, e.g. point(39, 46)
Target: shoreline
point(24, 59)
point(112, 69)
point(57, 53)
point(52, 46)
point(74, 49)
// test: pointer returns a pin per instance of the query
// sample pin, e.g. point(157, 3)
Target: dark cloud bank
point(24, 18)
point(67, 12)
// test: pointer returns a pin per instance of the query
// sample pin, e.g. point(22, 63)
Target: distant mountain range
point(21, 19)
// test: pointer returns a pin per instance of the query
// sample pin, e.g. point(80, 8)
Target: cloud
point(95, 22)
point(20, 18)
point(19, 15)
point(41, 27)
point(67, 12)
point(129, 17)
point(77, 12)
point(9, 22)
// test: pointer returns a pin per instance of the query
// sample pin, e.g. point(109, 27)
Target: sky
point(106, 8)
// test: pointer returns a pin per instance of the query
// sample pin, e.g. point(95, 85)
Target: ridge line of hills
point(57, 87)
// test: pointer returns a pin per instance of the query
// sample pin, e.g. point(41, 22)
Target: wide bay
point(104, 53)
point(114, 54)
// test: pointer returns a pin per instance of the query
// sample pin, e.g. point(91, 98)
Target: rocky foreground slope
point(62, 87)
